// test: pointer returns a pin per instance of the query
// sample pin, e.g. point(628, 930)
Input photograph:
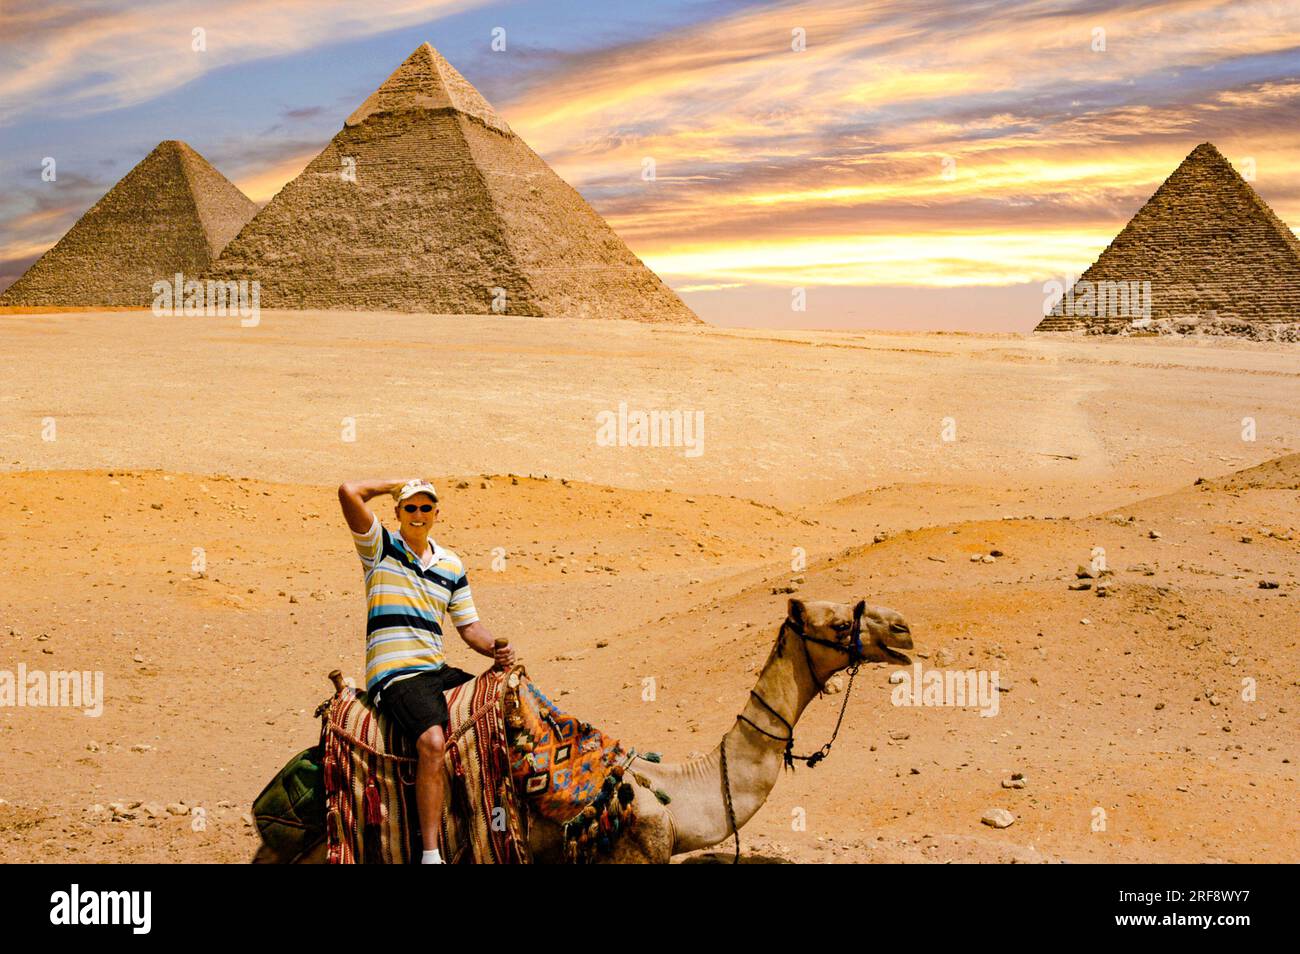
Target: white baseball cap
point(413, 487)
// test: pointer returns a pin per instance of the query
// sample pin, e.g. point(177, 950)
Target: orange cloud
point(938, 259)
point(827, 162)
point(261, 185)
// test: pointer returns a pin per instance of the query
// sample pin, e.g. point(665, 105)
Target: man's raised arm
point(353, 496)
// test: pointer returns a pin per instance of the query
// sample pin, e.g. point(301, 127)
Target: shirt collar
point(436, 550)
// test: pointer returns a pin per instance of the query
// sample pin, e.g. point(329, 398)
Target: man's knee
point(430, 744)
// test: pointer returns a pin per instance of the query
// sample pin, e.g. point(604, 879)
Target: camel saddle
point(509, 751)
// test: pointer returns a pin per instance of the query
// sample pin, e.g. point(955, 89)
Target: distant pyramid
point(427, 201)
point(172, 213)
point(1206, 242)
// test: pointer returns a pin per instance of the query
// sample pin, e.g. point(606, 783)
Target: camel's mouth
point(898, 637)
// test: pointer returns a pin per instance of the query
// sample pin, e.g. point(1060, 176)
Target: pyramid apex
point(425, 80)
point(424, 51)
point(1207, 156)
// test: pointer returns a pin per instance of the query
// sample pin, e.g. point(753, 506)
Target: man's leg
point(430, 785)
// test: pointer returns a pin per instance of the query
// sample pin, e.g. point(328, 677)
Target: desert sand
point(623, 563)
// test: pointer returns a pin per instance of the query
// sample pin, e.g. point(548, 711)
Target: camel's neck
point(754, 760)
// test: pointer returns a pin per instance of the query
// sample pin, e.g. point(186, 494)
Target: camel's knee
point(431, 744)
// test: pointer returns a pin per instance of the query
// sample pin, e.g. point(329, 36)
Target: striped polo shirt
point(405, 600)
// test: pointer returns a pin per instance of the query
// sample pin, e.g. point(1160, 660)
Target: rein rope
point(854, 651)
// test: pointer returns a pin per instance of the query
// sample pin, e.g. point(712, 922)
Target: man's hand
point(505, 656)
point(353, 496)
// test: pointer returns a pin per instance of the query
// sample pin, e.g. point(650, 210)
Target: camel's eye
point(842, 627)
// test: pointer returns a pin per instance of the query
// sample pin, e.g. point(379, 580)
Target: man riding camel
point(410, 582)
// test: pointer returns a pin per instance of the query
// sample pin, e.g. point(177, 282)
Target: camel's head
point(879, 632)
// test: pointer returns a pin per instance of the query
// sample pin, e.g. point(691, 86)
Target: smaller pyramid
point(1209, 246)
point(172, 213)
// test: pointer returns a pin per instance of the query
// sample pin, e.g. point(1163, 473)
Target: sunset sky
point(919, 164)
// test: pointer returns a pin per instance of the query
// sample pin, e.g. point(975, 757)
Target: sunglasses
point(423, 508)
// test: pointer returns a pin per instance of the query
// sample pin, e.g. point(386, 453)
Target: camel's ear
point(795, 610)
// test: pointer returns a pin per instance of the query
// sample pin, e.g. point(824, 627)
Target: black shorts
point(418, 702)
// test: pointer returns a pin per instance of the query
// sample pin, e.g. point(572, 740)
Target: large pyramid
point(1209, 246)
point(172, 213)
point(427, 201)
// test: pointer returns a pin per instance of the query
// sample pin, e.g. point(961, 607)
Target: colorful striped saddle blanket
point(510, 750)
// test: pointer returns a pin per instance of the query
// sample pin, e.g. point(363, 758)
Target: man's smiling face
point(417, 524)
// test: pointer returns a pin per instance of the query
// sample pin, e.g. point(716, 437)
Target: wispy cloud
point(122, 52)
point(304, 112)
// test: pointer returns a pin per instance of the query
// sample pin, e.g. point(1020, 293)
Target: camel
point(816, 640)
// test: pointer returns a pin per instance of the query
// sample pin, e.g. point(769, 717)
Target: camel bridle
point(856, 658)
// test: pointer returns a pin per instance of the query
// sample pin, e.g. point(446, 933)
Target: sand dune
point(820, 441)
